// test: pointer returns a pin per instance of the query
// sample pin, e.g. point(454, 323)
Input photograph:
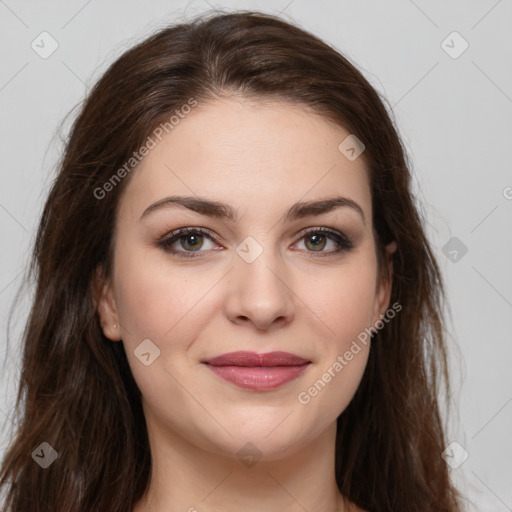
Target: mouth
point(258, 372)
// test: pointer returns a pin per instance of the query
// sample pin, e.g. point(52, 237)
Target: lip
point(258, 372)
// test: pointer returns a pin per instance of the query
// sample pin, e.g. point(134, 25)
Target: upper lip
point(243, 358)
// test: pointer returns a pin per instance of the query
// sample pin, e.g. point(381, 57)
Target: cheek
point(346, 307)
point(164, 305)
point(151, 300)
point(346, 302)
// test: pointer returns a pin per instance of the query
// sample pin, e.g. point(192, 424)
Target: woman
point(236, 303)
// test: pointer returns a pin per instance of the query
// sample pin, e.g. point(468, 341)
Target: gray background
point(455, 117)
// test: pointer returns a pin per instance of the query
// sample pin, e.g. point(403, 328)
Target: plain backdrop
point(445, 68)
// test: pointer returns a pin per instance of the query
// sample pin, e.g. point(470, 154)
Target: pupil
point(317, 240)
point(194, 239)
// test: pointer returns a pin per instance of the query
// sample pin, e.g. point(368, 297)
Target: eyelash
point(166, 242)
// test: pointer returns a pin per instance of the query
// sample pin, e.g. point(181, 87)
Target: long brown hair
point(77, 392)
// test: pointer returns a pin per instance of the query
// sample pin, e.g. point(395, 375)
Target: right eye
point(185, 239)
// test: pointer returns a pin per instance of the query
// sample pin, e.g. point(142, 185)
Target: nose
point(259, 293)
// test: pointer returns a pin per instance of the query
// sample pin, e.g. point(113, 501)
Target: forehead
point(250, 154)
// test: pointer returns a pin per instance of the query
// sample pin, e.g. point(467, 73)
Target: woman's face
point(262, 279)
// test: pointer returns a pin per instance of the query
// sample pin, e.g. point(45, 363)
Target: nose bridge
point(258, 290)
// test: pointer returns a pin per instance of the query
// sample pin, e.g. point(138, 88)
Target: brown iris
point(318, 243)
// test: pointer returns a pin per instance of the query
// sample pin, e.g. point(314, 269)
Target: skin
point(260, 158)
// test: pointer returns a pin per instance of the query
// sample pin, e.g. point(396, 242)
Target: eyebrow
point(220, 210)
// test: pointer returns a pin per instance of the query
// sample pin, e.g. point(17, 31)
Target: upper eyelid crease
point(224, 211)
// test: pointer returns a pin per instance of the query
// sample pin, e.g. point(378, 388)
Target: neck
point(185, 477)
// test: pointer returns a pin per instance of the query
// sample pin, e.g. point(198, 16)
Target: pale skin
point(296, 296)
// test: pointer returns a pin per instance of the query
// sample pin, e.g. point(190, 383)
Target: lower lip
point(258, 378)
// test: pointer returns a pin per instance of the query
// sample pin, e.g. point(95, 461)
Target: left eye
point(191, 240)
point(318, 239)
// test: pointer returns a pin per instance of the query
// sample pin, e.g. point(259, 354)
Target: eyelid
point(173, 236)
point(343, 242)
point(341, 239)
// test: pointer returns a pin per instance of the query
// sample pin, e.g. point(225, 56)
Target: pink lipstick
point(259, 372)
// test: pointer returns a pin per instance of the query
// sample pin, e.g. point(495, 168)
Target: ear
point(105, 305)
point(383, 292)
